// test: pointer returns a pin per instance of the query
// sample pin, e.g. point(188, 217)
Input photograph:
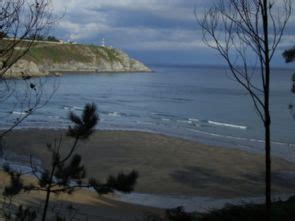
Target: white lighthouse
point(103, 42)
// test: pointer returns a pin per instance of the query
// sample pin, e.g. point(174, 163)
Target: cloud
point(145, 23)
point(139, 24)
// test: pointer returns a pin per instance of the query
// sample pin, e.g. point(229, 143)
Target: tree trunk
point(46, 204)
point(267, 120)
point(48, 191)
point(267, 170)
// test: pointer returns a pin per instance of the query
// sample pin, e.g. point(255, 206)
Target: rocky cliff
point(46, 59)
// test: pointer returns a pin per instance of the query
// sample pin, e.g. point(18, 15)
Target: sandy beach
point(166, 165)
point(81, 205)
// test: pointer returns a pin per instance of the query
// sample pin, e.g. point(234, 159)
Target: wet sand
point(166, 165)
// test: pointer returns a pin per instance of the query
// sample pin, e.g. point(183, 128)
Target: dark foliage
point(41, 38)
point(84, 125)
point(178, 214)
point(99, 187)
point(152, 217)
point(123, 182)
point(44, 179)
point(25, 214)
point(281, 211)
point(59, 218)
point(36, 37)
point(15, 186)
point(289, 55)
point(52, 38)
point(3, 35)
point(71, 172)
point(293, 83)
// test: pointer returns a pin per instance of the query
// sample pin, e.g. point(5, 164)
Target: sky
point(153, 31)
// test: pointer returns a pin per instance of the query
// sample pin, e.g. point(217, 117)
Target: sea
point(200, 103)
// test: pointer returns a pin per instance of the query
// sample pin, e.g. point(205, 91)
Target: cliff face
point(46, 59)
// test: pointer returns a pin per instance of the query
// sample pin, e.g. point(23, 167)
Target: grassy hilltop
point(61, 53)
point(45, 58)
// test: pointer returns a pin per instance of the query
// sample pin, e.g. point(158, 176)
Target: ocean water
point(194, 102)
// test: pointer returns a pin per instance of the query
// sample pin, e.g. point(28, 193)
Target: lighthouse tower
point(103, 42)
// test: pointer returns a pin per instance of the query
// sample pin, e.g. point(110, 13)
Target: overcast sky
point(154, 31)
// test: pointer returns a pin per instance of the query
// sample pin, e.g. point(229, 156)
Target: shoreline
point(59, 73)
point(167, 165)
point(281, 150)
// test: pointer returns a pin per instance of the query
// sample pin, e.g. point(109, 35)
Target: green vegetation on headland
point(61, 53)
point(45, 58)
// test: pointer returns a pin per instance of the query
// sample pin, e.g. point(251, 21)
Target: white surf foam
point(71, 108)
point(113, 114)
point(18, 113)
point(227, 125)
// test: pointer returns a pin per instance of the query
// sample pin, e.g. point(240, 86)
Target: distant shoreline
point(52, 73)
point(290, 66)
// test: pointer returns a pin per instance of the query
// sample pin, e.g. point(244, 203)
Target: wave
point(119, 114)
point(114, 114)
point(240, 138)
point(71, 108)
point(54, 117)
point(143, 122)
point(227, 125)
point(193, 119)
point(173, 118)
point(18, 113)
point(184, 121)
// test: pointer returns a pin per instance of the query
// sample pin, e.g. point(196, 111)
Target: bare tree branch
point(240, 30)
